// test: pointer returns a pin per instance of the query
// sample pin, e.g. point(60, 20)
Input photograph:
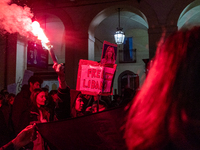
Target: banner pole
point(98, 97)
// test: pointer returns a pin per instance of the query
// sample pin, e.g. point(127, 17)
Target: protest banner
point(94, 78)
point(109, 53)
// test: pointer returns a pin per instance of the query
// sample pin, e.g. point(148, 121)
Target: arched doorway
point(55, 31)
point(127, 79)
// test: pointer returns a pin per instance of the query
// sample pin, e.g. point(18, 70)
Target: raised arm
point(63, 111)
point(60, 70)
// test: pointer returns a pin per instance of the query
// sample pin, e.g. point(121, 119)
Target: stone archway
point(54, 29)
point(102, 16)
point(189, 16)
point(66, 19)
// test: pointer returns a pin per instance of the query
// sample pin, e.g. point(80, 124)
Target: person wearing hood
point(78, 102)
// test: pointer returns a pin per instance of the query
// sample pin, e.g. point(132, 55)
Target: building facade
point(78, 28)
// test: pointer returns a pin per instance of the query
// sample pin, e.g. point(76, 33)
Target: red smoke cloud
point(14, 18)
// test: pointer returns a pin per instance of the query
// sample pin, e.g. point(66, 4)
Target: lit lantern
point(119, 35)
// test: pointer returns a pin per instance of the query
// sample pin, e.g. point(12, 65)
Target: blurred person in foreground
point(165, 114)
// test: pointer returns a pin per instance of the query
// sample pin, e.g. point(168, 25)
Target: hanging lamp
point(119, 35)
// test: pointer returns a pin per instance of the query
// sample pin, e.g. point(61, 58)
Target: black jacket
point(22, 106)
point(21, 109)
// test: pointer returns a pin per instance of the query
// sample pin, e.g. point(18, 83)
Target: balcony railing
point(127, 56)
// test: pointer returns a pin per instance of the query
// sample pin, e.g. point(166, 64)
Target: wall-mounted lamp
point(119, 35)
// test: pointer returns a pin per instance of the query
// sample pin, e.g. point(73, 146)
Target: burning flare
point(38, 31)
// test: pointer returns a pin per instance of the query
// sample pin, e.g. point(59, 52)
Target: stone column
point(8, 45)
point(76, 49)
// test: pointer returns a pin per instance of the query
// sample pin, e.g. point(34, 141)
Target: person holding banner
point(109, 57)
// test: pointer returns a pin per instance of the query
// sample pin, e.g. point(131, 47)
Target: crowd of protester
point(29, 106)
point(34, 104)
